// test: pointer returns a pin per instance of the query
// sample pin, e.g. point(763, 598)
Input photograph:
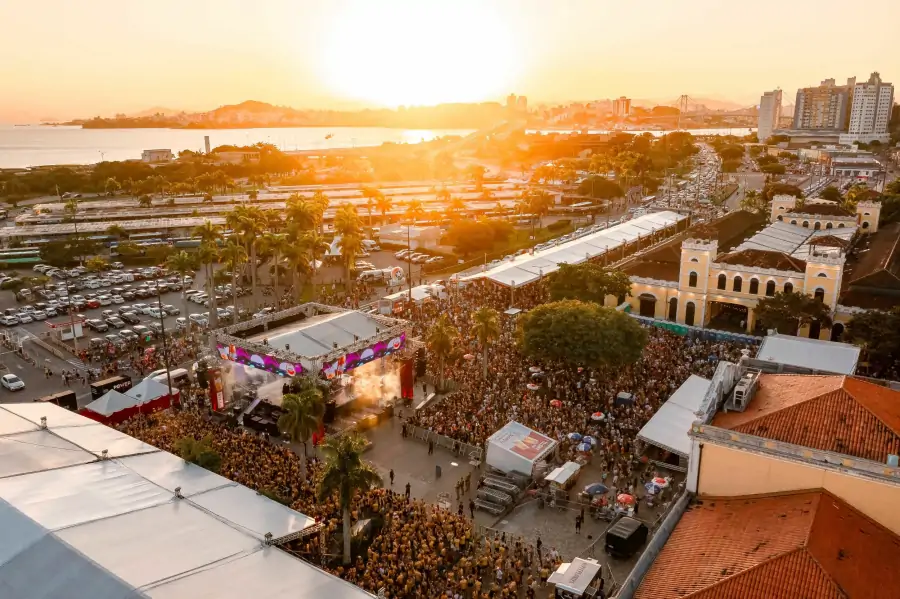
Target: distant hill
point(154, 111)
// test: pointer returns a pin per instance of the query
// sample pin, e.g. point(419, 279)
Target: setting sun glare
point(409, 52)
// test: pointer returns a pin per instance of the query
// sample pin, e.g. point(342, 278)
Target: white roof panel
point(11, 424)
point(99, 437)
point(56, 416)
point(36, 451)
point(171, 472)
point(816, 354)
point(157, 543)
point(268, 573)
point(69, 496)
point(669, 427)
point(252, 512)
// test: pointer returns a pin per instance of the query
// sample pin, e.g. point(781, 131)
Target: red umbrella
point(468, 357)
point(533, 387)
point(556, 403)
point(625, 499)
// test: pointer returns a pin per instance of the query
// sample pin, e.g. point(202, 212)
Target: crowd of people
point(419, 549)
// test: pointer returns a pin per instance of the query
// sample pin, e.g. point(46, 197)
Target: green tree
point(298, 264)
point(302, 417)
point(383, 204)
point(789, 312)
point(441, 341)
point(350, 246)
point(117, 232)
point(777, 189)
point(601, 188)
point(346, 473)
point(184, 265)
point(753, 201)
point(199, 452)
point(112, 186)
point(415, 211)
point(96, 264)
point(831, 193)
point(253, 195)
point(207, 197)
point(469, 237)
point(581, 334)
point(588, 282)
point(145, 201)
point(317, 246)
point(275, 244)
point(234, 255)
point(878, 334)
point(250, 227)
point(486, 326)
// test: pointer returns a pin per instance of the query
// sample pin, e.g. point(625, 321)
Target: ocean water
point(37, 145)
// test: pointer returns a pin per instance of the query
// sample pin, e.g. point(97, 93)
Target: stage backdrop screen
point(238, 354)
point(355, 359)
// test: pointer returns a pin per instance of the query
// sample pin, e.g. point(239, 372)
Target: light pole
point(162, 326)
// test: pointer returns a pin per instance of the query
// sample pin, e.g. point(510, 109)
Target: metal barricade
point(495, 496)
point(501, 485)
point(425, 435)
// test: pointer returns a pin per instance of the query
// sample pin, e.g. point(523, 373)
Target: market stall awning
point(669, 427)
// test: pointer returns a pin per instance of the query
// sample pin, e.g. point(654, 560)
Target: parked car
point(155, 326)
point(130, 317)
point(154, 312)
point(199, 320)
point(12, 382)
point(128, 335)
point(142, 332)
point(107, 313)
point(9, 321)
point(39, 315)
point(115, 322)
point(171, 310)
point(97, 325)
point(180, 323)
point(118, 299)
point(24, 317)
point(114, 339)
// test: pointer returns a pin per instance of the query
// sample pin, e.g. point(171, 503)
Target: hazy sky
point(67, 58)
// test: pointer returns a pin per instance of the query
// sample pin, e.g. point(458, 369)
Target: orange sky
point(63, 59)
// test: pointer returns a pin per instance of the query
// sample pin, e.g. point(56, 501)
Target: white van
point(180, 376)
point(371, 276)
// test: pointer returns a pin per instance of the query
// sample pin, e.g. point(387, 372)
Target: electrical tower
point(682, 109)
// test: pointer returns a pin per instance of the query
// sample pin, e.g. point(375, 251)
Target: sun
point(418, 52)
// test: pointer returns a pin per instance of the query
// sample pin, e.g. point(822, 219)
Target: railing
point(425, 435)
point(695, 331)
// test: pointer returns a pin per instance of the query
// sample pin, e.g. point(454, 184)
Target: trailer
point(626, 537)
point(118, 383)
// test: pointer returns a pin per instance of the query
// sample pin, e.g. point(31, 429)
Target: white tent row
point(140, 523)
point(669, 427)
point(528, 268)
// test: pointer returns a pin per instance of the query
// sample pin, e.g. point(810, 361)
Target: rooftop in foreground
point(808, 544)
point(86, 507)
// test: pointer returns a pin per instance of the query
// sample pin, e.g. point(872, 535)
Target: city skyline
point(67, 62)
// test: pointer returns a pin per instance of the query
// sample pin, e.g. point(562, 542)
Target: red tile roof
point(829, 413)
point(806, 545)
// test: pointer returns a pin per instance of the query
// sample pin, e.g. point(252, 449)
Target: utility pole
point(162, 332)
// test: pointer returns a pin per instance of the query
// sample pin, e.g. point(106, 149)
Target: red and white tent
point(144, 398)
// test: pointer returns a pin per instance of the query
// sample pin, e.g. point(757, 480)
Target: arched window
point(781, 218)
point(788, 287)
point(865, 214)
point(694, 260)
point(754, 286)
point(865, 225)
point(793, 222)
point(738, 283)
point(692, 279)
point(770, 288)
point(723, 281)
point(817, 226)
point(828, 225)
point(806, 224)
point(840, 225)
point(673, 309)
point(819, 294)
point(689, 310)
point(822, 275)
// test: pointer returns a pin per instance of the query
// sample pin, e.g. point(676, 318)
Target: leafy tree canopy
point(588, 282)
point(779, 189)
point(788, 312)
point(581, 334)
point(878, 333)
point(831, 193)
point(600, 187)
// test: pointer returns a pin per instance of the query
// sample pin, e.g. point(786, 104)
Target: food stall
point(517, 448)
point(565, 476)
point(580, 579)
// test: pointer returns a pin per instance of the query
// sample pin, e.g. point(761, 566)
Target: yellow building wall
point(726, 472)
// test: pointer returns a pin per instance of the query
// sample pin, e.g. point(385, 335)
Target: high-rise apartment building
point(769, 114)
point(522, 104)
point(622, 106)
point(826, 106)
point(870, 112)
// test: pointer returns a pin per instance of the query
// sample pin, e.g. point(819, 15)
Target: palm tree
point(383, 203)
point(302, 416)
point(298, 263)
point(145, 201)
point(487, 329)
point(208, 254)
point(208, 232)
point(414, 211)
point(346, 221)
point(250, 225)
point(117, 232)
point(440, 339)
point(183, 264)
point(300, 212)
point(234, 255)
point(372, 194)
point(455, 207)
point(320, 204)
point(275, 244)
point(112, 186)
point(351, 246)
point(199, 452)
point(346, 473)
point(316, 245)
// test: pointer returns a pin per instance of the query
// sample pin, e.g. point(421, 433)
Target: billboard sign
point(236, 353)
point(522, 441)
point(355, 359)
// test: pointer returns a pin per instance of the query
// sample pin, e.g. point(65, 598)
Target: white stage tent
point(77, 524)
point(669, 427)
point(815, 354)
point(528, 268)
point(517, 448)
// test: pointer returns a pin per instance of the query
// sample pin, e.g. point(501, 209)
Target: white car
point(181, 323)
point(12, 382)
point(139, 308)
point(39, 315)
point(154, 312)
point(9, 321)
point(24, 317)
point(104, 300)
point(117, 299)
point(199, 320)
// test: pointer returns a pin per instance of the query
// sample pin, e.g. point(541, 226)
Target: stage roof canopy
point(318, 334)
point(816, 354)
point(115, 528)
point(669, 427)
point(528, 268)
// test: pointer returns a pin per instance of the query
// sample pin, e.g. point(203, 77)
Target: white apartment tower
point(769, 114)
point(870, 113)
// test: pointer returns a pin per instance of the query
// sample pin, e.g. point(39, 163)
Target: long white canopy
point(74, 524)
point(816, 354)
point(528, 268)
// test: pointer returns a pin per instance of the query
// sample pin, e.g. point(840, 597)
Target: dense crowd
point(419, 550)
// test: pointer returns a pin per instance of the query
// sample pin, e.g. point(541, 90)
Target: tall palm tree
point(117, 231)
point(235, 255)
point(320, 202)
point(383, 203)
point(455, 207)
point(351, 246)
point(346, 473)
point(316, 245)
point(440, 339)
point(208, 232)
point(346, 221)
point(183, 264)
point(208, 254)
point(487, 329)
point(275, 244)
point(302, 417)
point(414, 211)
point(300, 212)
point(298, 263)
point(250, 227)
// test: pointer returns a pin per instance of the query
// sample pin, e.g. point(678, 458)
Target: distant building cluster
point(516, 103)
point(859, 111)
